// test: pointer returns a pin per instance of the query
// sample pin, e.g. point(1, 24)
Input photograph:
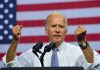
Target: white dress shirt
point(68, 55)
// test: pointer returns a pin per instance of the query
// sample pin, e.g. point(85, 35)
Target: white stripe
point(24, 47)
point(90, 28)
point(70, 13)
point(20, 48)
point(94, 44)
point(40, 31)
point(21, 2)
point(33, 31)
point(2, 64)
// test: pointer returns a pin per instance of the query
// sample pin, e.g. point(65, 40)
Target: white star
point(11, 5)
point(10, 37)
point(6, 11)
point(1, 37)
point(10, 26)
point(6, 21)
point(1, 5)
point(1, 27)
point(5, 32)
point(10, 16)
point(1, 16)
point(6, 1)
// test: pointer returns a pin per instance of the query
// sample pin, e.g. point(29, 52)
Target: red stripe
point(75, 21)
point(98, 51)
point(64, 5)
point(69, 38)
point(2, 54)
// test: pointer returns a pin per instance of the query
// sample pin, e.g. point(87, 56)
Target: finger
point(16, 32)
point(79, 26)
point(82, 27)
point(21, 26)
point(18, 27)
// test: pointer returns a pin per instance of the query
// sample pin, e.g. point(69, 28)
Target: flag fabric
point(31, 14)
point(7, 20)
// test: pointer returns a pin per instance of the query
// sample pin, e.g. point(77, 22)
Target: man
point(68, 54)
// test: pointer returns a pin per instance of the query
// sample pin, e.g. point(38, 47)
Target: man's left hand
point(80, 34)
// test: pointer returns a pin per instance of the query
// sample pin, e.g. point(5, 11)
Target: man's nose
point(57, 29)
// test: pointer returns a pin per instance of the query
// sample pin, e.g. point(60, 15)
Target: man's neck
point(58, 44)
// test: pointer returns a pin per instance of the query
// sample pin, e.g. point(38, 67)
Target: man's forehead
point(56, 17)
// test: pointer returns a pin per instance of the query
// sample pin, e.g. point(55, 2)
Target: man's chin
point(57, 41)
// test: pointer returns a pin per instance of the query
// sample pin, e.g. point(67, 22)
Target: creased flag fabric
point(31, 14)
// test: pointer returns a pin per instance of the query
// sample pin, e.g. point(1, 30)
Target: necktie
point(54, 59)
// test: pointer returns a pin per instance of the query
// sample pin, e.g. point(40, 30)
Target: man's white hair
point(55, 13)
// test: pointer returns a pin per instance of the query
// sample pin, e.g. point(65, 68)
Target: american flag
point(32, 14)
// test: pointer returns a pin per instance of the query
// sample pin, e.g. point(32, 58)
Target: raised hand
point(17, 31)
point(80, 34)
point(11, 53)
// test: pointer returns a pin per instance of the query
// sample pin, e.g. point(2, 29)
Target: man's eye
point(53, 26)
point(61, 26)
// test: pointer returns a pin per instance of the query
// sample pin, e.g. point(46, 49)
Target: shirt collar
point(61, 46)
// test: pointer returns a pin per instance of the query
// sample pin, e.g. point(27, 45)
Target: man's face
point(56, 28)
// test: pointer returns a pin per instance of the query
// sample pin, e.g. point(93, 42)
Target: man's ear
point(46, 30)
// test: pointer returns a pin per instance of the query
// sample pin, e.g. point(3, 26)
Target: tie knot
point(55, 49)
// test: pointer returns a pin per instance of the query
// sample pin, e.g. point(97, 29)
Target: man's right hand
point(11, 53)
point(17, 32)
